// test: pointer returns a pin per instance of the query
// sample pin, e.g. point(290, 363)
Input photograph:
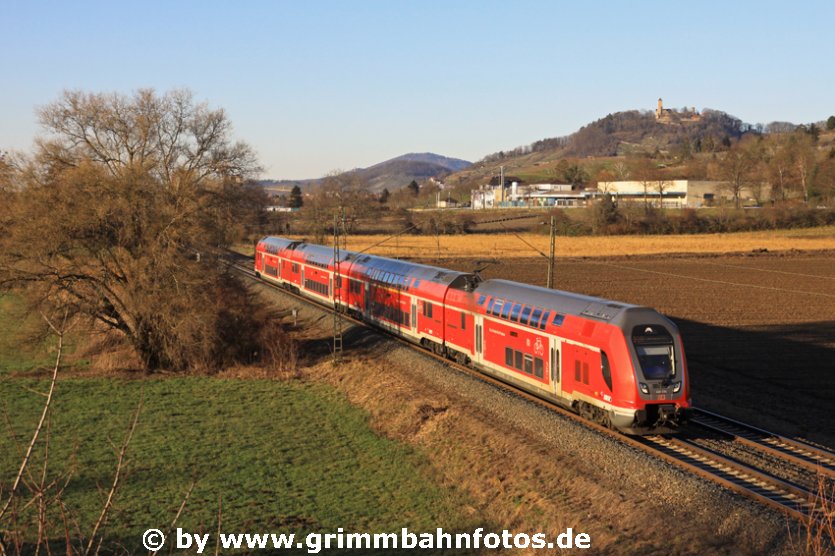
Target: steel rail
point(738, 477)
point(790, 450)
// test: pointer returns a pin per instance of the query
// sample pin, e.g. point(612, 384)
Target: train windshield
point(656, 361)
point(654, 347)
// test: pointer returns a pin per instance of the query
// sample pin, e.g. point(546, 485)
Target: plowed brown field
point(759, 329)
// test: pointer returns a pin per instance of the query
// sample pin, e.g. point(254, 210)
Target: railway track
point(682, 451)
point(759, 485)
point(800, 454)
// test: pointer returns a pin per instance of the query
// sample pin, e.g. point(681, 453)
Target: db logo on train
point(538, 348)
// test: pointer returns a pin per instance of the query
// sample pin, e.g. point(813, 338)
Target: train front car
point(617, 364)
point(652, 392)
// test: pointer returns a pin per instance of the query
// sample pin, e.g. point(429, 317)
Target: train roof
point(554, 300)
point(410, 269)
point(321, 255)
point(277, 243)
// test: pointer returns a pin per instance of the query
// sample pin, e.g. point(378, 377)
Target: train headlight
point(677, 387)
point(644, 388)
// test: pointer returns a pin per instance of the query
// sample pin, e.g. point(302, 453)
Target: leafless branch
point(47, 405)
point(116, 478)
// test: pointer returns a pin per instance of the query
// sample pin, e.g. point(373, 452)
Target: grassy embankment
point(284, 456)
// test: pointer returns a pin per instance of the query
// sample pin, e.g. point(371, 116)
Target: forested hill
point(636, 130)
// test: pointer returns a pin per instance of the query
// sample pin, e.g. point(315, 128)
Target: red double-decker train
point(617, 364)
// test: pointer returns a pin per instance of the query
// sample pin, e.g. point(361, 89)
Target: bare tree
point(738, 168)
point(660, 185)
point(802, 146)
point(779, 166)
point(112, 210)
point(646, 173)
point(340, 193)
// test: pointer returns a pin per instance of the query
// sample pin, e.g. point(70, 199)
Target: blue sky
point(317, 86)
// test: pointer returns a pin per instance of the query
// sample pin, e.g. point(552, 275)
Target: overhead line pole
point(337, 296)
point(551, 253)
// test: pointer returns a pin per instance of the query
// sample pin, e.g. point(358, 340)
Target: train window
point(538, 367)
point(654, 347)
point(514, 314)
point(295, 268)
point(526, 312)
point(463, 321)
point(416, 284)
point(490, 307)
point(537, 314)
point(497, 307)
point(576, 371)
point(656, 361)
point(506, 310)
point(558, 319)
point(508, 357)
point(605, 369)
point(544, 320)
point(585, 373)
point(518, 360)
point(528, 364)
point(428, 308)
point(481, 299)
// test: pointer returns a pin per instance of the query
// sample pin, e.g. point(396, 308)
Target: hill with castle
point(662, 130)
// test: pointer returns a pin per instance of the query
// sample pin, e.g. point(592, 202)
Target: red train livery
point(617, 364)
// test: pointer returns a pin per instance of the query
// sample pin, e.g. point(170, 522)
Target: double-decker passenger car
point(618, 364)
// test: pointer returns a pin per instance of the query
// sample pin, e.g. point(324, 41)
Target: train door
point(478, 352)
point(257, 261)
point(414, 315)
point(555, 366)
point(367, 297)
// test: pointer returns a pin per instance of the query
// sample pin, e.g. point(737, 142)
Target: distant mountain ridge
point(398, 172)
point(392, 174)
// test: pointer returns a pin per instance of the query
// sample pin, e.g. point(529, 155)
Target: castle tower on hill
point(670, 116)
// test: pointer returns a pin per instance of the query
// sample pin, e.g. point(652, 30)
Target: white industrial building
point(664, 194)
point(668, 193)
point(530, 196)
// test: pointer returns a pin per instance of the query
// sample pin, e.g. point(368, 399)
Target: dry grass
point(509, 245)
point(815, 536)
point(513, 480)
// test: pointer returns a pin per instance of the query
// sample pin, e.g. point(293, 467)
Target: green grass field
point(25, 341)
point(284, 457)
